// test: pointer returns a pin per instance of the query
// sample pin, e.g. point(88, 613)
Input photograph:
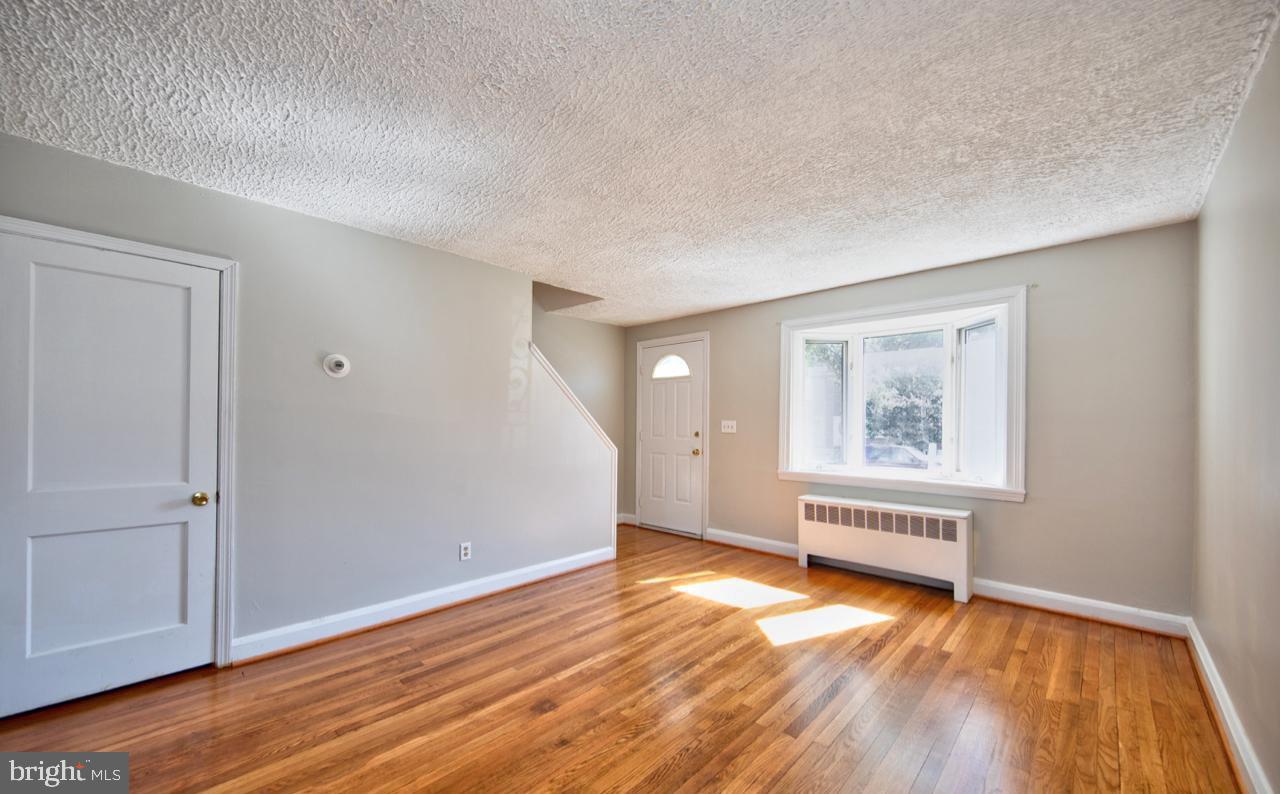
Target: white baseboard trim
point(627, 518)
point(1241, 747)
point(307, 631)
point(752, 542)
point(1163, 622)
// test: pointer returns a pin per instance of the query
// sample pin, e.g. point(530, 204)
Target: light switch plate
point(728, 425)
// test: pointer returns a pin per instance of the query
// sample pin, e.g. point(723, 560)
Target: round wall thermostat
point(336, 365)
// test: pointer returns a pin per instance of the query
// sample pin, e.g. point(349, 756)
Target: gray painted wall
point(590, 357)
point(1237, 581)
point(357, 491)
point(1110, 407)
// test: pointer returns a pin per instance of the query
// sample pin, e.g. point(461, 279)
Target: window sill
point(971, 490)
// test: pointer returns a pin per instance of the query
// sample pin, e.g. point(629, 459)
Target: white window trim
point(1014, 489)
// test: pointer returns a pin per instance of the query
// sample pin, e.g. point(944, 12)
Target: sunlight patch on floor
point(797, 626)
point(737, 592)
point(661, 579)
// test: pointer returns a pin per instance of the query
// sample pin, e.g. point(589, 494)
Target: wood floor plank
point(609, 679)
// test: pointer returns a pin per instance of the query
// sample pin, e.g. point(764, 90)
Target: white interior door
point(108, 427)
point(672, 389)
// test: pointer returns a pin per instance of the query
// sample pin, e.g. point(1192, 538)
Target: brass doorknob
point(697, 452)
point(199, 498)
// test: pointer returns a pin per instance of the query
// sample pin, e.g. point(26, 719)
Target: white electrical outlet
point(464, 551)
point(728, 425)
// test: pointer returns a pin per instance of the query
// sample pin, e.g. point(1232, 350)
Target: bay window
point(924, 397)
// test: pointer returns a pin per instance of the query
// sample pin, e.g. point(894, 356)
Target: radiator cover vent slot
point(949, 530)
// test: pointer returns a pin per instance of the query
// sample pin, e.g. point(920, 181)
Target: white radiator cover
point(924, 541)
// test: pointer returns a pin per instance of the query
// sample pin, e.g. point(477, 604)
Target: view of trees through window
point(907, 396)
point(902, 386)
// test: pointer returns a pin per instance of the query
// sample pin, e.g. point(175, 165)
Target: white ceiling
point(669, 157)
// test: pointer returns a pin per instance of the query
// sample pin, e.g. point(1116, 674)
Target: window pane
point(981, 417)
point(670, 366)
point(823, 431)
point(902, 377)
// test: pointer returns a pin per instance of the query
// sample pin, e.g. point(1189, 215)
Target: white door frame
point(227, 288)
point(705, 338)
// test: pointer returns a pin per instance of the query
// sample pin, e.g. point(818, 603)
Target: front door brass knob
point(697, 452)
point(199, 498)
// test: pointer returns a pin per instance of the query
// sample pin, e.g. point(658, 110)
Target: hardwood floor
point(610, 679)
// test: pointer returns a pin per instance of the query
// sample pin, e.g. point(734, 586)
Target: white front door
point(672, 383)
point(108, 427)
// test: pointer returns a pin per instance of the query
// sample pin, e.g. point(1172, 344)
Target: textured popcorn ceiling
point(671, 157)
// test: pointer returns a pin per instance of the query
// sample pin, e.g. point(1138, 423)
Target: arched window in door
point(670, 366)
